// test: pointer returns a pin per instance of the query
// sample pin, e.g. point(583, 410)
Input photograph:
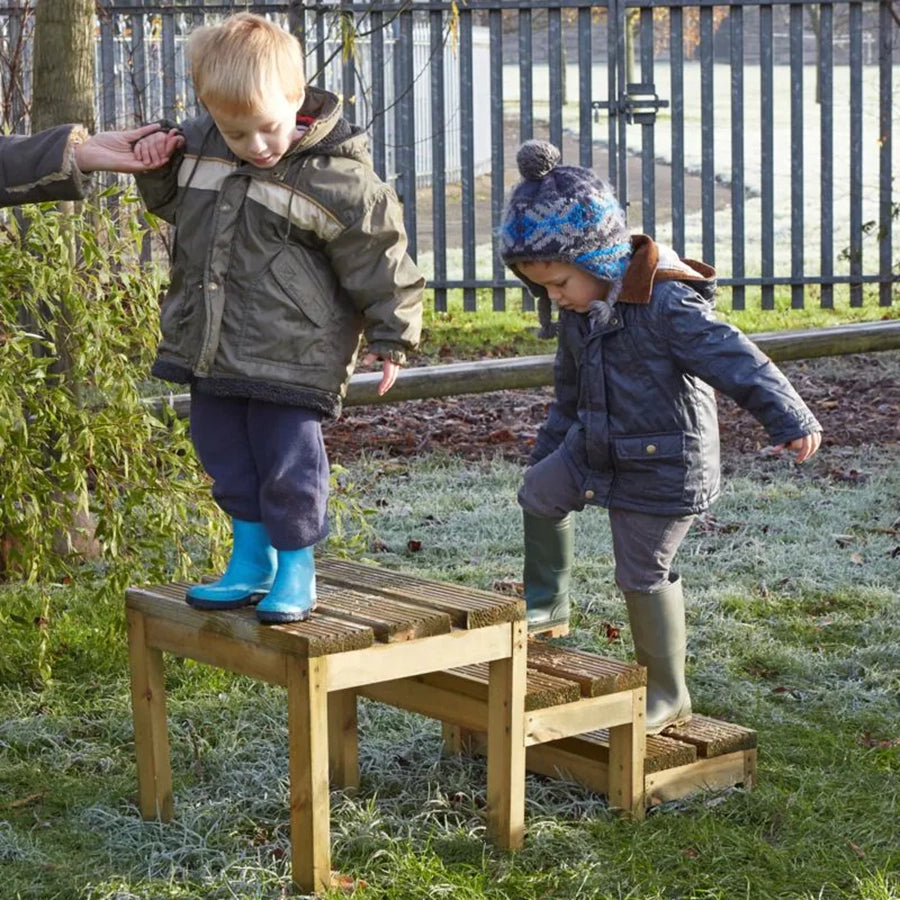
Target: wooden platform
point(567, 693)
point(456, 654)
point(705, 754)
point(370, 625)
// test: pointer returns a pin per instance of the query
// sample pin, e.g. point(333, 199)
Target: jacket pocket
point(181, 317)
point(651, 467)
point(306, 292)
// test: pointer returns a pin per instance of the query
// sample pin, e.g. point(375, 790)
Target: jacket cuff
point(388, 352)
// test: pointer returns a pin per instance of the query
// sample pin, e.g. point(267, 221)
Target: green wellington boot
point(249, 574)
point(660, 642)
point(548, 564)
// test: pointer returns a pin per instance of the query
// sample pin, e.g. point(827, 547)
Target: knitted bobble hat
point(564, 214)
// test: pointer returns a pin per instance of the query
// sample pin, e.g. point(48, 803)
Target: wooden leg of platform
point(343, 740)
point(627, 745)
point(151, 739)
point(749, 770)
point(506, 744)
point(307, 698)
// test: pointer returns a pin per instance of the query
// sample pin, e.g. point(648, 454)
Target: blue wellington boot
point(249, 575)
point(293, 595)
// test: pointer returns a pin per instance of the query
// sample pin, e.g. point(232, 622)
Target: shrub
point(78, 446)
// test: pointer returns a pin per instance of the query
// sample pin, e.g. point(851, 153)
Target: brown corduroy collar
point(644, 271)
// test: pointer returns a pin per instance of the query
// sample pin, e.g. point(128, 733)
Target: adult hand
point(113, 151)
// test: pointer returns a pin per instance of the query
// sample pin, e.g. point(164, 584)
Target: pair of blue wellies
point(282, 583)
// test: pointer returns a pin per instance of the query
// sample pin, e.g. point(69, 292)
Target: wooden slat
point(390, 619)
point(319, 635)
point(541, 690)
point(712, 774)
point(595, 675)
point(467, 607)
point(661, 752)
point(712, 737)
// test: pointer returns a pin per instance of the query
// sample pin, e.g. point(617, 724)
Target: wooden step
point(704, 754)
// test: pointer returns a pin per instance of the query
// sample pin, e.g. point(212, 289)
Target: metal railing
point(757, 136)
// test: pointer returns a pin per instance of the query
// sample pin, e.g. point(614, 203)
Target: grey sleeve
point(39, 167)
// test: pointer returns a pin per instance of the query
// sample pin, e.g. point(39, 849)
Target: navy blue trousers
point(268, 464)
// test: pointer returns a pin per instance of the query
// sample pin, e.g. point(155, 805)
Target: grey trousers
point(644, 545)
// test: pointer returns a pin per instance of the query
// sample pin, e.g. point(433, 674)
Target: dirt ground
point(856, 398)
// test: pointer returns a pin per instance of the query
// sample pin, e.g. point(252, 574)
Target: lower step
point(704, 754)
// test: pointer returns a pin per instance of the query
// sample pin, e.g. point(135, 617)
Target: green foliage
point(79, 450)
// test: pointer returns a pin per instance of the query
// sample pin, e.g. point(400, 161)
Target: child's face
point(260, 138)
point(567, 285)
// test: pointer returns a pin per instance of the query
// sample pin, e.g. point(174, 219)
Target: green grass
point(792, 633)
point(794, 630)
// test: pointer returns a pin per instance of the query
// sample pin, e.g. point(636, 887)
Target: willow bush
point(78, 446)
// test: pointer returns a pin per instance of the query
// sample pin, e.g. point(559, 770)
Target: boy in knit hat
point(633, 424)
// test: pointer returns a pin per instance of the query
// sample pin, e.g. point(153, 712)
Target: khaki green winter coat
point(277, 273)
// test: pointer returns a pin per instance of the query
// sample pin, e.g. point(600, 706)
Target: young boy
point(633, 424)
point(288, 249)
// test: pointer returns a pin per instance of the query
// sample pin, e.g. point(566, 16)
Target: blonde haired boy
point(289, 250)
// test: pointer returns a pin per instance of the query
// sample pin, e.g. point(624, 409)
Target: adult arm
point(42, 166)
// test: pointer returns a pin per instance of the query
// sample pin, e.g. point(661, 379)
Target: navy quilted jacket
point(635, 405)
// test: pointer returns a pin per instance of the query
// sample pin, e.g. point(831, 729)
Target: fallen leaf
point(28, 801)
point(857, 850)
point(857, 559)
point(509, 586)
point(879, 743)
point(413, 545)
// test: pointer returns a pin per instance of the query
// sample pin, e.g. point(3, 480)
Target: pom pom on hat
point(536, 159)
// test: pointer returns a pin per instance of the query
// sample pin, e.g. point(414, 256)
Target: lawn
point(794, 630)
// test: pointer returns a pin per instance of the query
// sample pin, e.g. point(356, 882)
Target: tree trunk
point(63, 74)
point(63, 92)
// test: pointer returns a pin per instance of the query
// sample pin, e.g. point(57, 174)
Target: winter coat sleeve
point(563, 412)
point(41, 166)
point(370, 259)
point(728, 360)
point(159, 187)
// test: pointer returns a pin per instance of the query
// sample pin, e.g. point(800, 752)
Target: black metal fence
point(757, 136)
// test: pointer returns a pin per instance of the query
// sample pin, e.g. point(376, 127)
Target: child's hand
point(803, 447)
point(389, 372)
point(113, 151)
point(156, 149)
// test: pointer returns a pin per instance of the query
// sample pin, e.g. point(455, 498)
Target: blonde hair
point(236, 64)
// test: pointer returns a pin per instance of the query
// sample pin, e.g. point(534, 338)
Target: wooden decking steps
point(567, 693)
point(704, 754)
